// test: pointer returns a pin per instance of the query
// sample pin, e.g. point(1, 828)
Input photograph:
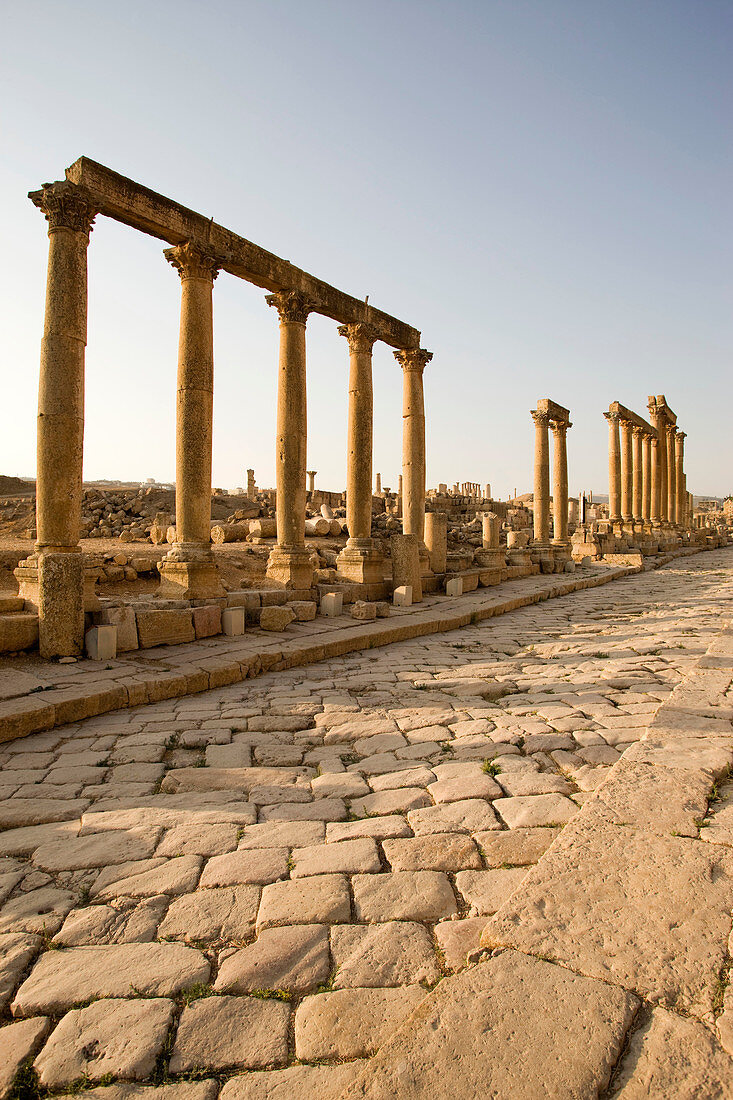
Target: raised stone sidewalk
point(40, 696)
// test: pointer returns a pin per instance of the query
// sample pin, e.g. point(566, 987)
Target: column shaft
point(662, 460)
point(646, 478)
point(671, 475)
point(560, 482)
point(627, 474)
point(541, 479)
point(413, 440)
point(656, 481)
point(614, 468)
point(680, 479)
point(361, 339)
point(637, 506)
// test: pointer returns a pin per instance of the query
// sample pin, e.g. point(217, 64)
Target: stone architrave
point(680, 476)
point(360, 561)
point(413, 362)
point(560, 483)
point(289, 561)
point(188, 570)
point(406, 570)
point(614, 467)
point(436, 540)
point(52, 579)
point(541, 503)
point(637, 495)
point(627, 514)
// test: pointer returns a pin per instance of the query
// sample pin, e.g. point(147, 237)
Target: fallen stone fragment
point(61, 979)
point(456, 938)
point(294, 958)
point(220, 1033)
point(351, 1023)
point(112, 1036)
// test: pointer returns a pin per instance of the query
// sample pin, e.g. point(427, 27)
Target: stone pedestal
point(289, 562)
point(406, 564)
point(360, 562)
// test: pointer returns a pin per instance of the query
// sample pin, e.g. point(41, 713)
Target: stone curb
point(586, 928)
point(111, 690)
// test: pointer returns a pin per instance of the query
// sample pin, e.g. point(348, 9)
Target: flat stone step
point(11, 603)
point(18, 630)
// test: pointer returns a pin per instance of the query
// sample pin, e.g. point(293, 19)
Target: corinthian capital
point(560, 427)
point(291, 305)
point(361, 335)
point(637, 431)
point(613, 416)
point(65, 206)
point(192, 260)
point(413, 358)
point(540, 416)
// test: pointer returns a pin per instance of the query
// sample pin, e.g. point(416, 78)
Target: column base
point(189, 578)
point(26, 574)
point(291, 567)
point(490, 558)
point(561, 551)
point(543, 556)
point(360, 562)
point(53, 583)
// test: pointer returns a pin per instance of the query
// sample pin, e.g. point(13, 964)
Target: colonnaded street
point(250, 890)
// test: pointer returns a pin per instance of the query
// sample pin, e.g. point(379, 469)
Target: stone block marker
point(402, 596)
point(363, 609)
point(207, 621)
point(332, 604)
point(436, 540)
point(454, 587)
point(405, 551)
point(304, 610)
point(101, 643)
point(233, 621)
point(164, 627)
point(123, 618)
point(276, 618)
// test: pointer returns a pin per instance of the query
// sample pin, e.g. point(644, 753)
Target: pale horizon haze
point(542, 187)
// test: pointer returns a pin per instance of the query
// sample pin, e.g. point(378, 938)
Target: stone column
point(413, 362)
point(614, 467)
point(671, 475)
point(289, 561)
point(656, 481)
point(660, 424)
point(680, 479)
point(251, 487)
point(436, 540)
point(560, 483)
point(627, 481)
point(378, 486)
point(637, 493)
point(52, 579)
point(311, 480)
point(189, 571)
point(541, 504)
point(360, 561)
point(399, 496)
point(646, 478)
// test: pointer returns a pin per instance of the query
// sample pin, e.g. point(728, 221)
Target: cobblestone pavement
point(272, 874)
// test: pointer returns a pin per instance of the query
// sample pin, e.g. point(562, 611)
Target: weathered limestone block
point(332, 604)
point(232, 621)
point(402, 596)
point(405, 551)
point(61, 604)
point(276, 618)
point(363, 609)
point(454, 587)
point(165, 627)
point(303, 610)
point(207, 620)
point(436, 540)
point(18, 630)
point(101, 643)
point(123, 618)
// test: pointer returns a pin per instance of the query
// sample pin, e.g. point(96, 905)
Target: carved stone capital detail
point(637, 430)
point(413, 358)
point(192, 260)
point(65, 206)
point(613, 417)
point(361, 335)
point(560, 427)
point(291, 305)
point(540, 416)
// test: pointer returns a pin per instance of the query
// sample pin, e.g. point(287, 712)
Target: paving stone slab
point(346, 857)
point(516, 846)
point(199, 840)
point(16, 951)
point(390, 802)
point(454, 817)
point(95, 925)
point(495, 1031)
point(294, 958)
point(219, 914)
point(377, 955)
point(175, 1090)
point(403, 895)
point(293, 1083)
point(148, 877)
point(41, 910)
point(258, 866)
point(18, 1042)
point(593, 923)
point(671, 1056)
point(462, 787)
point(97, 850)
point(320, 899)
point(486, 891)
point(533, 810)
point(61, 979)
point(18, 813)
point(664, 800)
point(221, 1033)
point(282, 834)
point(323, 809)
point(112, 1036)
point(456, 938)
point(379, 828)
point(351, 1023)
point(434, 852)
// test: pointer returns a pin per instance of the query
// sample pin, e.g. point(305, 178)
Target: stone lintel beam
point(124, 200)
point(556, 413)
point(633, 418)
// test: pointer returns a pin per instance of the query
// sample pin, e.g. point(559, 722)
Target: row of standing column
point(646, 482)
point(541, 505)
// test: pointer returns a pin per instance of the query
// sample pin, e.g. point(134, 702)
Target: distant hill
point(10, 486)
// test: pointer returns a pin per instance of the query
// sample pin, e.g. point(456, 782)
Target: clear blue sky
point(543, 187)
